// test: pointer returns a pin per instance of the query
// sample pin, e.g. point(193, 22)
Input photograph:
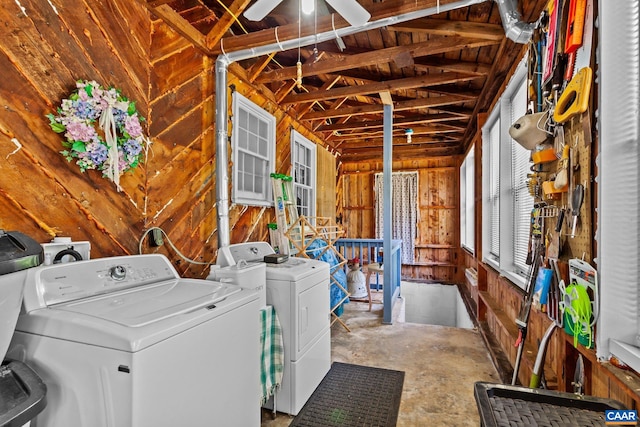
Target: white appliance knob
point(118, 272)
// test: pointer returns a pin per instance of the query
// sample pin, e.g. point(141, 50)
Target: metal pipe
point(222, 163)
point(514, 28)
point(222, 64)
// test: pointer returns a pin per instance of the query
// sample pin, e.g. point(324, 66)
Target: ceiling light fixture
point(408, 133)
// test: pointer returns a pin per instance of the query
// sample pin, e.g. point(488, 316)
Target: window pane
point(253, 124)
point(263, 147)
point(467, 201)
point(243, 137)
point(243, 119)
point(523, 201)
point(494, 190)
point(253, 143)
point(264, 130)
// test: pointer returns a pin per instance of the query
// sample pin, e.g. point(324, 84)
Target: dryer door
point(313, 314)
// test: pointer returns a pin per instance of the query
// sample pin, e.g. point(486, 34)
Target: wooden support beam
point(180, 25)
point(436, 63)
point(435, 101)
point(385, 97)
point(445, 27)
point(305, 108)
point(381, 10)
point(225, 21)
point(432, 47)
point(258, 66)
point(372, 124)
point(391, 85)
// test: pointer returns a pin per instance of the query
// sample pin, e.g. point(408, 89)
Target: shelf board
point(435, 246)
point(432, 264)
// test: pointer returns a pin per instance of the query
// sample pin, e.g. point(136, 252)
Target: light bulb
point(307, 6)
point(408, 133)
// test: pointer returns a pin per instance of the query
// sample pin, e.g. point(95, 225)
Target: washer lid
point(147, 304)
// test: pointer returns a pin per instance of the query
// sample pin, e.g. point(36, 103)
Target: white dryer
point(298, 289)
point(126, 342)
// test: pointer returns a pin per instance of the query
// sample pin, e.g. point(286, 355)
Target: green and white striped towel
point(272, 353)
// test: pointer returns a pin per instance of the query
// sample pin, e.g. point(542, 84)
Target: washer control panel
point(59, 283)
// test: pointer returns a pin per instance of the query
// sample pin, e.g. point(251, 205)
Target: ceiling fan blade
point(351, 11)
point(260, 9)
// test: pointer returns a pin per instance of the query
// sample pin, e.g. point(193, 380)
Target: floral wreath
point(118, 144)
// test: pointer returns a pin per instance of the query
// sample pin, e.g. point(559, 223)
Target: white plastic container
point(246, 275)
point(62, 250)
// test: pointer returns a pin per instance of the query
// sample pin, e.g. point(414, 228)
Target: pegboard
point(577, 133)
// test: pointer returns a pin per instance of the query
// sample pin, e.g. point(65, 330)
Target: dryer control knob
point(118, 272)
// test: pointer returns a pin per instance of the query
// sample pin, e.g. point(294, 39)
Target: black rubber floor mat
point(353, 395)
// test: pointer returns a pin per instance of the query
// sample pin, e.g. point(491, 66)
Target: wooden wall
point(437, 242)
point(45, 47)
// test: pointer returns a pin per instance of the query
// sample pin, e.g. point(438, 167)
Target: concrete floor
point(441, 364)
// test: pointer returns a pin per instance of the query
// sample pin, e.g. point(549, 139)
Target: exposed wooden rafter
point(438, 72)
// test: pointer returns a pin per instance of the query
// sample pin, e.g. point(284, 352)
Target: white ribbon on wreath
point(108, 124)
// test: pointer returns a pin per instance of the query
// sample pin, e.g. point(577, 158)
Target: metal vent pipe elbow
point(514, 28)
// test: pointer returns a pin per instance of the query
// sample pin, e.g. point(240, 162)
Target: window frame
point(467, 201)
point(238, 195)
point(299, 140)
point(497, 147)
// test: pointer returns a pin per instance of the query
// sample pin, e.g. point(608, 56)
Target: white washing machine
point(298, 289)
point(126, 342)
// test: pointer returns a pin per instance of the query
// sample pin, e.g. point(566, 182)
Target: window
point(467, 201)
point(507, 203)
point(618, 228)
point(253, 143)
point(303, 166)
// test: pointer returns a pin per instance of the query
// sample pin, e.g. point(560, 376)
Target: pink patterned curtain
point(404, 210)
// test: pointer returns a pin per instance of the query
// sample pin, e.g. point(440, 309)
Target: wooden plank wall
point(437, 242)
point(45, 47)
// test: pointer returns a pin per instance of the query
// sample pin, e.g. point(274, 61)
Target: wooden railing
point(367, 251)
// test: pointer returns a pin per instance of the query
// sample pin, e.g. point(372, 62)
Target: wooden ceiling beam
point(347, 144)
point(378, 11)
point(427, 64)
point(445, 27)
point(399, 153)
point(258, 66)
point(225, 21)
point(450, 135)
point(391, 85)
point(180, 25)
point(305, 108)
point(373, 57)
point(432, 102)
point(420, 119)
point(397, 142)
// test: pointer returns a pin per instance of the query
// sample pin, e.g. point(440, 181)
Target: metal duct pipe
point(222, 107)
point(514, 28)
point(222, 156)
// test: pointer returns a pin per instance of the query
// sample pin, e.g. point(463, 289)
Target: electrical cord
point(166, 237)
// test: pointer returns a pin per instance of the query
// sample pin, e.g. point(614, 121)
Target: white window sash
point(303, 170)
point(253, 145)
point(506, 201)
